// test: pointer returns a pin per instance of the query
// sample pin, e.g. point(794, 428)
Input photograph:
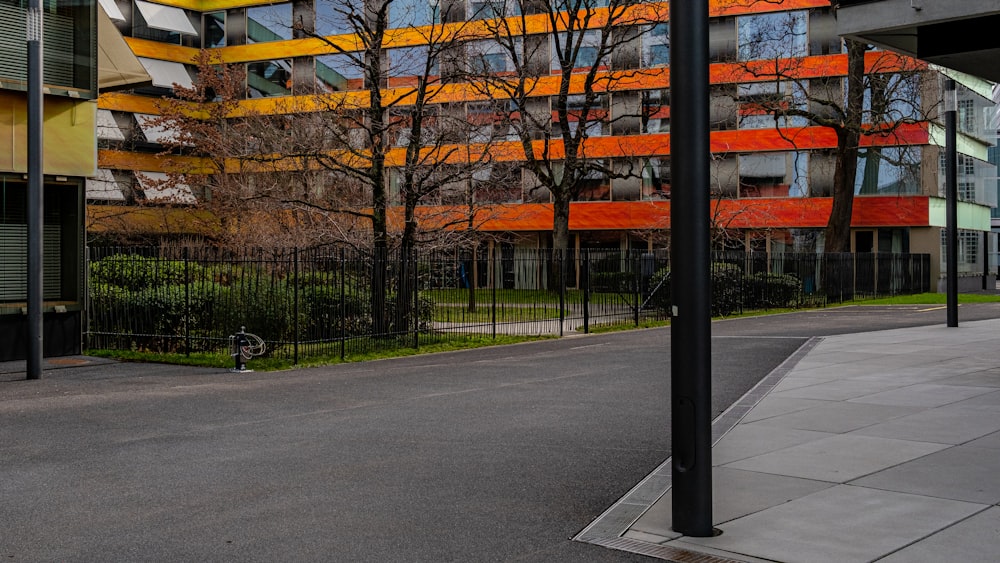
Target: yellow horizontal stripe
point(716, 7)
point(639, 79)
point(408, 37)
point(162, 51)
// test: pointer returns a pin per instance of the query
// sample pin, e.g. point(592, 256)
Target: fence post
point(343, 309)
point(562, 289)
point(585, 274)
point(295, 306)
point(416, 300)
point(187, 306)
point(493, 294)
point(636, 259)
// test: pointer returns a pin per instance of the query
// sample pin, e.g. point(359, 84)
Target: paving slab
point(836, 525)
point(835, 417)
point(738, 494)
point(991, 442)
point(923, 395)
point(837, 389)
point(837, 459)
point(771, 406)
point(749, 440)
point(950, 424)
point(962, 542)
point(964, 473)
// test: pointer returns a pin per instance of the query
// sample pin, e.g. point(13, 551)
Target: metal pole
point(585, 283)
point(691, 332)
point(35, 187)
point(295, 306)
point(951, 200)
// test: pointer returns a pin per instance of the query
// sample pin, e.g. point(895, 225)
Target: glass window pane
point(491, 9)
point(269, 78)
point(334, 17)
point(779, 35)
point(656, 46)
point(338, 73)
point(586, 54)
point(888, 170)
point(764, 175)
point(656, 179)
point(413, 13)
point(269, 23)
point(215, 30)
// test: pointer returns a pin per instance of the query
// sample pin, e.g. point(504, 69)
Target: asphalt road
point(498, 454)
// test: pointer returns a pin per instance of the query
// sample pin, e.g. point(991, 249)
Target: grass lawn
point(928, 299)
point(221, 359)
point(539, 305)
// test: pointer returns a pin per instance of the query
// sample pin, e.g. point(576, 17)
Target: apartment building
point(773, 171)
point(70, 90)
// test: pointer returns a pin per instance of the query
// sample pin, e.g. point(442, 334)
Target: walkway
point(861, 447)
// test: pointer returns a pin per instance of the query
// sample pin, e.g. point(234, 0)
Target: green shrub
point(138, 272)
point(770, 291)
point(612, 282)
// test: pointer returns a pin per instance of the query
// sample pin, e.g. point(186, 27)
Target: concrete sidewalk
point(874, 446)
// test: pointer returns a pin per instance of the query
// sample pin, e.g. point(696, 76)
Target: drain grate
point(666, 552)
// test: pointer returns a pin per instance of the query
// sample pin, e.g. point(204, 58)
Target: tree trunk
point(838, 228)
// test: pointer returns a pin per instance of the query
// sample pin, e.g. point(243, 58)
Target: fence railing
point(327, 302)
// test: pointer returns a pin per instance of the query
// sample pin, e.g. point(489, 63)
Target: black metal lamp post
point(35, 187)
point(691, 330)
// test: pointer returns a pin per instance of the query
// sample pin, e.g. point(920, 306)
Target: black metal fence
point(323, 302)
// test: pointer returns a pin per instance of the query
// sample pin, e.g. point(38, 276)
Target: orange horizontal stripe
point(721, 142)
point(869, 211)
point(770, 213)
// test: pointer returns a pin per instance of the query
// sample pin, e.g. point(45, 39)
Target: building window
point(489, 122)
point(338, 73)
point(656, 178)
point(490, 57)
point(967, 191)
point(761, 105)
point(413, 13)
point(586, 54)
point(269, 78)
point(823, 38)
point(656, 111)
point(269, 23)
point(61, 243)
point(69, 54)
point(497, 182)
point(967, 116)
point(492, 9)
point(656, 46)
point(777, 174)
point(595, 122)
point(335, 18)
point(214, 25)
point(722, 39)
point(898, 98)
point(888, 171)
point(967, 252)
point(779, 35)
point(595, 185)
point(408, 63)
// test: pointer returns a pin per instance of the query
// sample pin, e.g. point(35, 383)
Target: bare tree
point(232, 158)
point(876, 98)
point(552, 65)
